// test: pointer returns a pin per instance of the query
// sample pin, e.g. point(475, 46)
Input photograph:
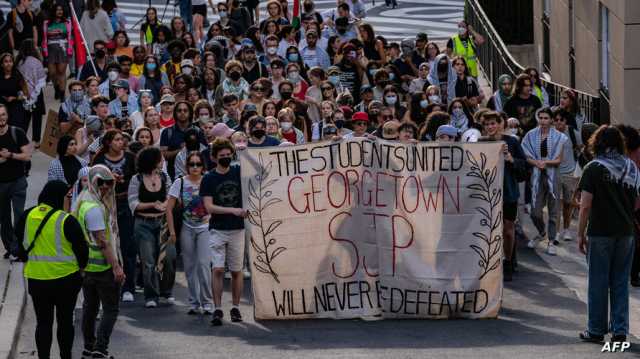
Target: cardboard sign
point(51, 135)
point(365, 228)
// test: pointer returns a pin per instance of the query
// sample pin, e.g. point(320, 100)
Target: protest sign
point(51, 135)
point(364, 228)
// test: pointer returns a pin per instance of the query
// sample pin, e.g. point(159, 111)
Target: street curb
point(14, 298)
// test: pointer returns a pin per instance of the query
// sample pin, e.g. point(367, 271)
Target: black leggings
point(59, 295)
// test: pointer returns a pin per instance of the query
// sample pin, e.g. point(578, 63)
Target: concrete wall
point(624, 34)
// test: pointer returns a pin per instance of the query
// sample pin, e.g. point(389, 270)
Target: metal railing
point(495, 60)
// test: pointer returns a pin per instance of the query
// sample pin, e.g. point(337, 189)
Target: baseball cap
point(247, 44)
point(421, 36)
point(121, 84)
point(360, 116)
point(222, 130)
point(332, 70)
point(447, 130)
point(366, 88)
point(249, 107)
point(167, 98)
point(186, 62)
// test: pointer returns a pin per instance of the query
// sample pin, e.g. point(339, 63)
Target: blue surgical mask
point(391, 100)
point(334, 80)
point(222, 14)
point(392, 76)
point(293, 57)
point(372, 71)
point(424, 103)
point(151, 66)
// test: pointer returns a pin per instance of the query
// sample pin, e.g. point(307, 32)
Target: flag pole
point(86, 46)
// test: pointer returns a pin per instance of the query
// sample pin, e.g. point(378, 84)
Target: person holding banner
point(221, 192)
point(514, 164)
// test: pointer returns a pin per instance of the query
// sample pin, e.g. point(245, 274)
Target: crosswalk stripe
point(428, 18)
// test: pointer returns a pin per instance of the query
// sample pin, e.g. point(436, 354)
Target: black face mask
point(224, 162)
point(341, 31)
point(235, 75)
point(100, 54)
point(257, 133)
point(285, 95)
point(339, 123)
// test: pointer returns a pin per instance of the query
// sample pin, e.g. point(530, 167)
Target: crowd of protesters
point(147, 158)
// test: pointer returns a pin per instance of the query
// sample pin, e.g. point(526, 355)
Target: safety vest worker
point(97, 260)
point(465, 49)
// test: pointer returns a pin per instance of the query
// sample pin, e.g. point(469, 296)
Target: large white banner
point(365, 228)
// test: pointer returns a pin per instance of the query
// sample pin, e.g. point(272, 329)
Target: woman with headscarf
point(443, 76)
point(503, 94)
point(65, 168)
point(53, 286)
point(96, 210)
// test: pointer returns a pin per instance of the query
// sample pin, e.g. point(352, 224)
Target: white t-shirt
point(194, 213)
point(94, 219)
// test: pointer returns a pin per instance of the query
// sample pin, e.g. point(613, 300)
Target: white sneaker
point(527, 208)
point(567, 236)
point(151, 304)
point(246, 273)
point(127, 297)
point(551, 250)
point(171, 300)
point(207, 309)
point(227, 275)
point(534, 242)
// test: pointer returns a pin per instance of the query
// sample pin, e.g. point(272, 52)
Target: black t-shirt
point(523, 110)
point(9, 87)
point(350, 79)
point(613, 202)
point(259, 70)
point(124, 166)
point(11, 169)
point(226, 191)
point(466, 88)
point(21, 21)
point(268, 142)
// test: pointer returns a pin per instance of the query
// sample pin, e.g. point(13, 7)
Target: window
point(546, 44)
point(604, 47)
point(572, 45)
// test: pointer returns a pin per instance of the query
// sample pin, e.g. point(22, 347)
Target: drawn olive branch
point(260, 199)
point(491, 215)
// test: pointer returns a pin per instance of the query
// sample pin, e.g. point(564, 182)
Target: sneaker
point(235, 315)
point(567, 236)
point(86, 353)
point(618, 338)
point(527, 208)
point(217, 318)
point(171, 300)
point(151, 304)
point(246, 274)
point(558, 238)
point(127, 297)
point(207, 309)
point(102, 355)
point(194, 310)
point(227, 275)
point(591, 338)
point(552, 250)
point(534, 242)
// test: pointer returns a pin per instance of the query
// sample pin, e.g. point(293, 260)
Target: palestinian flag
point(80, 48)
point(295, 22)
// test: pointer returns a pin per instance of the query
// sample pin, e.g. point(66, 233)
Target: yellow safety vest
point(51, 256)
point(467, 52)
point(539, 95)
point(97, 261)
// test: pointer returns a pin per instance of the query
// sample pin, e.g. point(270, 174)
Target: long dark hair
point(607, 138)
point(148, 159)
point(200, 157)
point(105, 143)
point(27, 48)
point(416, 112)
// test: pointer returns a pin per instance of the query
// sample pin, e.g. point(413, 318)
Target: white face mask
point(294, 76)
point(187, 70)
point(462, 30)
point(512, 131)
point(391, 100)
point(272, 50)
point(286, 126)
point(434, 99)
point(113, 75)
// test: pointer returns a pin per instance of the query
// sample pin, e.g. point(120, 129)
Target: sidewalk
point(13, 296)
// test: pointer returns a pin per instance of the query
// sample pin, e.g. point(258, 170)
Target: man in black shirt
point(15, 151)
point(252, 69)
point(22, 25)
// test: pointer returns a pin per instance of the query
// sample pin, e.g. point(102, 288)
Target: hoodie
point(451, 78)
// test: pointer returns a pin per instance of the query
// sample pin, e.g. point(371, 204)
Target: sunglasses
point(258, 89)
point(332, 131)
point(359, 123)
point(388, 117)
point(195, 164)
point(102, 182)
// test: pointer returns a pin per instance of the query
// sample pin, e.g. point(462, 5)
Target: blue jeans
point(185, 13)
point(148, 238)
point(609, 260)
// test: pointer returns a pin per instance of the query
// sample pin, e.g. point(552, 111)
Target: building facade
point(592, 46)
